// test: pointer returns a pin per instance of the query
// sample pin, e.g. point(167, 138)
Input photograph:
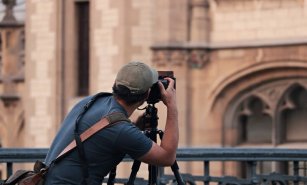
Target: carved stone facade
point(12, 66)
point(236, 62)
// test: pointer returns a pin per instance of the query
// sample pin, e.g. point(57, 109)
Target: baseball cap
point(137, 77)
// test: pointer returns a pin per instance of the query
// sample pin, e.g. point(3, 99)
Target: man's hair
point(125, 94)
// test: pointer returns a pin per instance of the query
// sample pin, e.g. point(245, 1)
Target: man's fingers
point(162, 89)
point(171, 82)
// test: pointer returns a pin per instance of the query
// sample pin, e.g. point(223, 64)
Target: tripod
point(152, 132)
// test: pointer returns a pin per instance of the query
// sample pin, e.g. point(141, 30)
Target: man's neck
point(129, 108)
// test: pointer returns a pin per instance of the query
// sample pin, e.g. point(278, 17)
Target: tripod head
point(151, 116)
point(148, 123)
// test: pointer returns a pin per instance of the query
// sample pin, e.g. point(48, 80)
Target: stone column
point(41, 77)
point(200, 22)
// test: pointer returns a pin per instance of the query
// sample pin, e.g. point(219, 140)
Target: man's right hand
point(168, 95)
point(143, 122)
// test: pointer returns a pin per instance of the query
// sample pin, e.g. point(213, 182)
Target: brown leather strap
point(111, 118)
point(85, 135)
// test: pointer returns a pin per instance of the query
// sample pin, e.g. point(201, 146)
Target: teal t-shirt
point(104, 150)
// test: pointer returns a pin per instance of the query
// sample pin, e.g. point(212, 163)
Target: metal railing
point(252, 157)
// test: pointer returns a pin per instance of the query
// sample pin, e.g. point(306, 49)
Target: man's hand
point(168, 95)
point(142, 122)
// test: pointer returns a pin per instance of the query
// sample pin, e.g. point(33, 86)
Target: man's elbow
point(169, 161)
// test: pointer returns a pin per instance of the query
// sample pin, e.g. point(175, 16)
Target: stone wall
point(243, 21)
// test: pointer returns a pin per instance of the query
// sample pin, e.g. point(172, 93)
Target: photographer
point(106, 148)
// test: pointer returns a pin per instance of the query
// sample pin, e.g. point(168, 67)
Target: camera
point(155, 94)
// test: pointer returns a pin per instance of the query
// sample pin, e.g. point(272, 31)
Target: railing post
point(252, 168)
point(206, 172)
point(296, 172)
point(9, 168)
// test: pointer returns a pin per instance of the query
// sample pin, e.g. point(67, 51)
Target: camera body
point(155, 94)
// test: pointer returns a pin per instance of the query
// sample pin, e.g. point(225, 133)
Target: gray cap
point(137, 77)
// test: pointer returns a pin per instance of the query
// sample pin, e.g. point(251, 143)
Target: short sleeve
point(133, 142)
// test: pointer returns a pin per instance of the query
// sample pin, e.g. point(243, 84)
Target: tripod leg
point(135, 168)
point(112, 176)
point(152, 176)
point(175, 169)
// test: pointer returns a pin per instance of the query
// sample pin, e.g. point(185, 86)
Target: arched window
point(293, 115)
point(254, 123)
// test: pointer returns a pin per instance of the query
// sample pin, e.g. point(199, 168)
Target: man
point(105, 149)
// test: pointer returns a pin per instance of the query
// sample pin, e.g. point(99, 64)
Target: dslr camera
point(155, 94)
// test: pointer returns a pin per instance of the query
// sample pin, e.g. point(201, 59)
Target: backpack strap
point(117, 117)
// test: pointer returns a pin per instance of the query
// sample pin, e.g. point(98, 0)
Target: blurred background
point(240, 66)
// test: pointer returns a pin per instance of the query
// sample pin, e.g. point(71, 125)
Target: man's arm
point(165, 154)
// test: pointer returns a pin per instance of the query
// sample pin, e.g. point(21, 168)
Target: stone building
point(240, 66)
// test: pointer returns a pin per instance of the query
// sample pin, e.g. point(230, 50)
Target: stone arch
point(295, 68)
point(266, 80)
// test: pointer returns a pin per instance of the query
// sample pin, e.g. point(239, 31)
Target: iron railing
point(252, 157)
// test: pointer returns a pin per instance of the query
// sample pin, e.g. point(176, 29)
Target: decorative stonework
point(273, 92)
point(198, 58)
point(245, 108)
point(11, 65)
point(195, 58)
point(169, 57)
point(9, 16)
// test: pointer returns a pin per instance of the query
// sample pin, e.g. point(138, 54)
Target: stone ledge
point(230, 45)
